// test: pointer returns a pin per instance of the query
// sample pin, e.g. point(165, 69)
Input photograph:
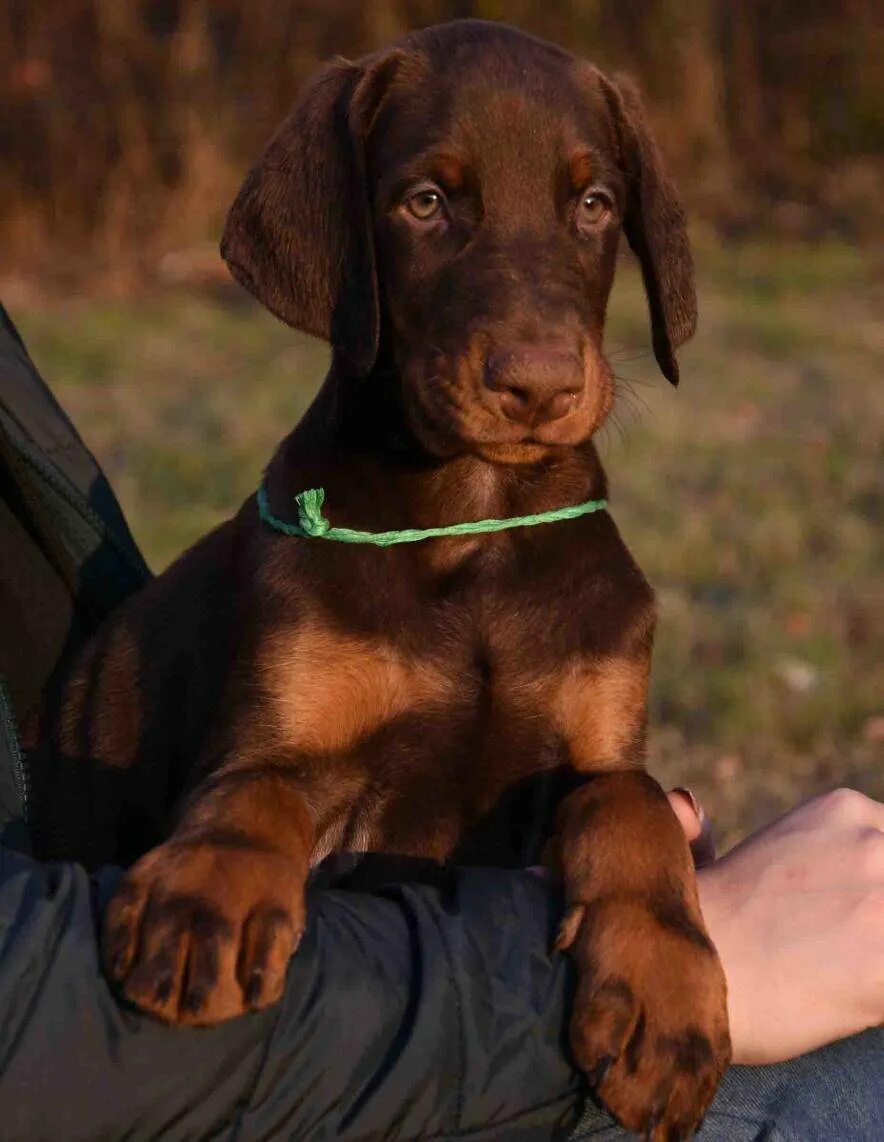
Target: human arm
point(441, 1010)
point(417, 1013)
point(796, 913)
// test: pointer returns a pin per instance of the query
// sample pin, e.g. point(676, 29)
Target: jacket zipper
point(19, 765)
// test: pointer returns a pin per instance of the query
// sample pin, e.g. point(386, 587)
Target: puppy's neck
point(355, 442)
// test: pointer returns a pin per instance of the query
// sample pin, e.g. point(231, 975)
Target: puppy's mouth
point(451, 413)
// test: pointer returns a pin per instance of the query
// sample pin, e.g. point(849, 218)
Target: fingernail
point(703, 845)
point(695, 804)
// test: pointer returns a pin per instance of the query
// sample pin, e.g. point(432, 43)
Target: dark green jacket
point(66, 554)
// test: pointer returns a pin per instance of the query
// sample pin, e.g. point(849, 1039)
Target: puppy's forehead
point(497, 117)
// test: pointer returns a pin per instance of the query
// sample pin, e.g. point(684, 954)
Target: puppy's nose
point(535, 385)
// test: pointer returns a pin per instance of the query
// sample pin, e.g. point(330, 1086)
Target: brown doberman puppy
point(446, 213)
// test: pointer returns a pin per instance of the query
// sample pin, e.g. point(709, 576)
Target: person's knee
point(835, 1092)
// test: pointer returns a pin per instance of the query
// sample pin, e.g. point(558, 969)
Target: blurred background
point(752, 497)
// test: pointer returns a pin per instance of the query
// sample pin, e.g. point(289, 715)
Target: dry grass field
point(752, 496)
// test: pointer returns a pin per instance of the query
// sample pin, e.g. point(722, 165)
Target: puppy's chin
point(497, 444)
point(445, 439)
point(510, 452)
point(531, 445)
point(527, 452)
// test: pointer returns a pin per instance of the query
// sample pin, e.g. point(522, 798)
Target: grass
point(751, 496)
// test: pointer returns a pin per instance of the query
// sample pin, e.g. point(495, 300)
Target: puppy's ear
point(299, 235)
point(655, 226)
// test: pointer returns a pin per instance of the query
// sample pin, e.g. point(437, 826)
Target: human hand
point(797, 914)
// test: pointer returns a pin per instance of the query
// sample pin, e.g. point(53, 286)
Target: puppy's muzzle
point(533, 386)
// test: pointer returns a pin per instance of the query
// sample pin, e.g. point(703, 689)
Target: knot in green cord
point(310, 518)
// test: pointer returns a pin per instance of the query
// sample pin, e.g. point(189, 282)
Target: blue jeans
point(835, 1094)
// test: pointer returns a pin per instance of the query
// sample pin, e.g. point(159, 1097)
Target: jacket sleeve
point(416, 1013)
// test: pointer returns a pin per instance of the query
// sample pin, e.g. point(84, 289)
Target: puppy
point(446, 214)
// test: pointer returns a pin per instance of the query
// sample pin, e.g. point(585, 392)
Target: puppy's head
point(454, 204)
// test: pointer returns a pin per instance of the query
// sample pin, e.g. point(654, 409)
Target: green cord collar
point(312, 524)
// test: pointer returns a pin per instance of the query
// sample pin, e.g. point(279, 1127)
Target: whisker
point(631, 414)
point(614, 420)
point(624, 390)
point(626, 353)
point(642, 382)
point(632, 404)
point(605, 444)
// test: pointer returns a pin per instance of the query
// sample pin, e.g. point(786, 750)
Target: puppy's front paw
point(199, 933)
point(649, 1025)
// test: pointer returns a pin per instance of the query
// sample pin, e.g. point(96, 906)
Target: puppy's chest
point(433, 715)
point(453, 673)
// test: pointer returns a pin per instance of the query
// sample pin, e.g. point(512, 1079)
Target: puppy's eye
point(424, 204)
point(595, 207)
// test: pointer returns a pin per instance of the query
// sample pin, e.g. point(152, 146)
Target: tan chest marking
point(331, 689)
point(601, 709)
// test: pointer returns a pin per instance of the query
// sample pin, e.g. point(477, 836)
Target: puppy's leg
point(649, 1025)
point(202, 927)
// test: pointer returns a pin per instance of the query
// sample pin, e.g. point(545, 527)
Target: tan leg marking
point(600, 708)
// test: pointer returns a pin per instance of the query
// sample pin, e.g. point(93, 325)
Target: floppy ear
point(299, 235)
point(655, 227)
